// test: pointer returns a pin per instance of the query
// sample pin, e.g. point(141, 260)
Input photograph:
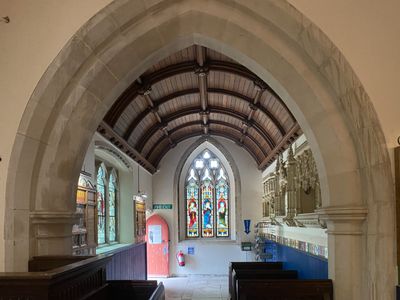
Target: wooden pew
point(49, 262)
point(259, 274)
point(74, 278)
point(79, 280)
point(250, 266)
point(283, 289)
point(135, 290)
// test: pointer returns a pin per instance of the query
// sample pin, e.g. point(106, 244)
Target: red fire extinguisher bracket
point(180, 258)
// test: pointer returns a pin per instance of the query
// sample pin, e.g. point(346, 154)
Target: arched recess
point(234, 177)
point(270, 38)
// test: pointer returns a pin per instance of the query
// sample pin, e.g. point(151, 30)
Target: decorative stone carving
point(292, 192)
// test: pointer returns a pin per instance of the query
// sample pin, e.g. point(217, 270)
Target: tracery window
point(107, 191)
point(207, 198)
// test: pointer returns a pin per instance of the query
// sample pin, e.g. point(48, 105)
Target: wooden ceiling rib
point(198, 92)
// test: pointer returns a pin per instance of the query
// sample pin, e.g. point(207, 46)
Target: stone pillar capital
point(53, 217)
point(53, 232)
point(343, 220)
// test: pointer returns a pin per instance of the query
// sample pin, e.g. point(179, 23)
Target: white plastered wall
point(211, 257)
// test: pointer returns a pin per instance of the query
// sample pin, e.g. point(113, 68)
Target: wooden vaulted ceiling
point(198, 92)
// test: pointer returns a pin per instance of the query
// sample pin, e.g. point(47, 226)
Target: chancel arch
point(312, 77)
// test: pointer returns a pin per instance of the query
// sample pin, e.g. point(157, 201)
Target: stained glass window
point(101, 206)
point(207, 198)
point(221, 191)
point(192, 204)
point(111, 208)
point(207, 204)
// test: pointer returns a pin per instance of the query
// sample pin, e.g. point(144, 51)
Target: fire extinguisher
point(180, 257)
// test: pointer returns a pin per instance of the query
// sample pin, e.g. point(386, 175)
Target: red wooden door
point(157, 237)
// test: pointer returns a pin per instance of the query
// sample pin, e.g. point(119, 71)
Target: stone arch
point(269, 37)
point(115, 158)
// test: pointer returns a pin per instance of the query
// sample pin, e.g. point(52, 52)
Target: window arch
point(207, 198)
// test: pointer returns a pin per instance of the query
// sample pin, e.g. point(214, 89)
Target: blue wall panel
point(309, 266)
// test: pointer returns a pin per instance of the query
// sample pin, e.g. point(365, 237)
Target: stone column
point(280, 189)
point(317, 191)
point(291, 187)
point(346, 249)
point(277, 197)
point(51, 232)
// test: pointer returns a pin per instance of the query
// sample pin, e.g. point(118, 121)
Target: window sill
point(109, 247)
point(208, 241)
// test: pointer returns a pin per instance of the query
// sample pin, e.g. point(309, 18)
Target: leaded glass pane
point(101, 209)
point(111, 209)
point(207, 205)
point(199, 164)
point(214, 164)
point(222, 207)
point(192, 202)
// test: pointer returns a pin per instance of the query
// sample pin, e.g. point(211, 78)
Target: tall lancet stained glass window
point(207, 198)
point(111, 208)
point(101, 206)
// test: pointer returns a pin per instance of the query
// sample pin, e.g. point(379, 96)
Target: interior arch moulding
point(275, 42)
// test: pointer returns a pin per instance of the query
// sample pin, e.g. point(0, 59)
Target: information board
point(155, 234)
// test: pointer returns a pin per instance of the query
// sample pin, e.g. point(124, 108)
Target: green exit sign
point(162, 206)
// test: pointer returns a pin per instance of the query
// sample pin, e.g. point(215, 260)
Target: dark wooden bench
point(135, 290)
point(250, 266)
point(74, 278)
point(259, 274)
point(284, 289)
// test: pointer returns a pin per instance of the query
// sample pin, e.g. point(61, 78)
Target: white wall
point(211, 257)
point(125, 208)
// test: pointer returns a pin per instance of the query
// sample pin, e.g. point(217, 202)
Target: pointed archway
point(271, 39)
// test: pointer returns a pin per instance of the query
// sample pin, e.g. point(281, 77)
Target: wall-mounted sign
point(162, 206)
point(155, 234)
point(246, 246)
point(247, 226)
point(190, 251)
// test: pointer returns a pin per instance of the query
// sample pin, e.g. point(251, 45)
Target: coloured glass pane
point(101, 210)
point(192, 202)
point(207, 205)
point(222, 208)
point(111, 209)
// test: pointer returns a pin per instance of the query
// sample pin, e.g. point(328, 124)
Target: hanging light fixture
point(140, 195)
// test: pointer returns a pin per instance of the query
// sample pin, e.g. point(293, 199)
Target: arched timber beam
point(200, 133)
point(172, 96)
point(249, 100)
point(157, 103)
point(180, 68)
point(216, 122)
point(195, 110)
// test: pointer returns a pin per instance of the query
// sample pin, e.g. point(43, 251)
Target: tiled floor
point(196, 287)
